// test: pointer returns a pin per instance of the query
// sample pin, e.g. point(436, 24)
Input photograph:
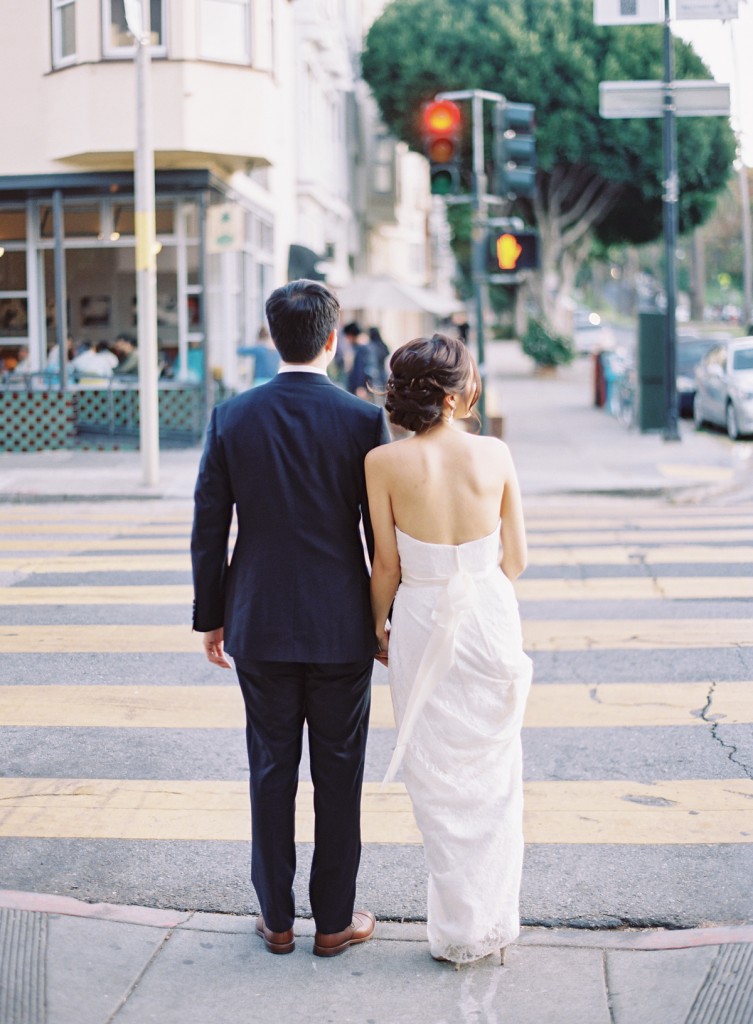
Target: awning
point(375, 293)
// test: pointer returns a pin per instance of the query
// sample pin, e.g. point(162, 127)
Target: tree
point(597, 178)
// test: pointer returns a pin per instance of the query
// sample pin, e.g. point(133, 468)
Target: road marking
point(98, 563)
point(115, 527)
point(627, 588)
point(635, 555)
point(30, 545)
point(544, 635)
point(550, 706)
point(635, 588)
point(631, 536)
point(706, 811)
point(705, 473)
point(83, 595)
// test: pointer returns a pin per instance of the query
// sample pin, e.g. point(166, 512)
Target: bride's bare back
point(446, 487)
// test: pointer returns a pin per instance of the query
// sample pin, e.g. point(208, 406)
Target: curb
point(645, 939)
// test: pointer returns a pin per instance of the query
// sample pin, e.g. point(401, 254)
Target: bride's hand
point(383, 642)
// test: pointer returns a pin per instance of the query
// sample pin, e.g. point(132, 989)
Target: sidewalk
point(67, 962)
point(561, 443)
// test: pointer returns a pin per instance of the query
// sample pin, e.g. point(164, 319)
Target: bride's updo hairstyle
point(422, 373)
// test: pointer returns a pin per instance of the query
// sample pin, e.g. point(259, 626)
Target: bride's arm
point(385, 570)
point(513, 533)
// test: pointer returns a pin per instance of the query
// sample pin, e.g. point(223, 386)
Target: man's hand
point(214, 648)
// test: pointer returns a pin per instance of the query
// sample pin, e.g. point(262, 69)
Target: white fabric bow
point(459, 596)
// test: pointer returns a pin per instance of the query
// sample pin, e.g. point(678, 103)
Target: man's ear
point(331, 343)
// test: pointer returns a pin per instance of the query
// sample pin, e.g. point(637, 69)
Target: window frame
point(110, 52)
point(248, 59)
point(56, 9)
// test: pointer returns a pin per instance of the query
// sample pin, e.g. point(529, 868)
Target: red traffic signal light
point(510, 251)
point(441, 116)
point(441, 125)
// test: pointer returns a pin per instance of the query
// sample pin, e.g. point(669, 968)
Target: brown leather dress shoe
point(276, 942)
point(360, 929)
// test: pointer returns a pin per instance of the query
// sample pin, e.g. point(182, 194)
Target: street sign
point(628, 12)
point(225, 228)
point(710, 10)
point(646, 99)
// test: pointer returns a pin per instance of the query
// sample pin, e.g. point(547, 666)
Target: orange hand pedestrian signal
point(508, 252)
point(511, 250)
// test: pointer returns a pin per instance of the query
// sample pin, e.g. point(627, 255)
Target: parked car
point(724, 388)
point(690, 352)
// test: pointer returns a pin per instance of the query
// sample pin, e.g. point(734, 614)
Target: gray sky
point(713, 41)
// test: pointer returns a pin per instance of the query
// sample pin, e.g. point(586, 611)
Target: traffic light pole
point(670, 211)
point(479, 224)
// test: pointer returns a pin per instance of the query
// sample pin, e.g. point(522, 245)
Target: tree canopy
point(596, 176)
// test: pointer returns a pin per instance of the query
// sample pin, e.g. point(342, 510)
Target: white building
point(257, 113)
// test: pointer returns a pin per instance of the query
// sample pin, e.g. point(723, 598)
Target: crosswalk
point(610, 582)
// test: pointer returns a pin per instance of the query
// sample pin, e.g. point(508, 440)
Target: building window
point(118, 42)
point(225, 30)
point(383, 165)
point(63, 32)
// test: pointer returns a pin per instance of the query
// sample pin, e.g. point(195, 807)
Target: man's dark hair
point(352, 329)
point(301, 316)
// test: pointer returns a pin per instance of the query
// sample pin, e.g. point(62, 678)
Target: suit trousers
point(334, 701)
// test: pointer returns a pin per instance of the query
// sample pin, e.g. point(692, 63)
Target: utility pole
point(138, 19)
point(670, 205)
point(479, 223)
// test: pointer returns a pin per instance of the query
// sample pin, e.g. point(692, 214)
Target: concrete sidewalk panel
point(656, 986)
point(199, 977)
point(92, 966)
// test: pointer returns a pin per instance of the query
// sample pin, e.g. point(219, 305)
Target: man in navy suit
point(292, 607)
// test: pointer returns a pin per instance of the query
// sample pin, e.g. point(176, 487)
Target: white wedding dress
point(459, 680)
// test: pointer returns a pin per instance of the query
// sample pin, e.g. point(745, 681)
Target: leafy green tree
point(597, 178)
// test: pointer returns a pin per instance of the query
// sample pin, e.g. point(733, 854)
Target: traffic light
point(515, 149)
point(440, 129)
point(510, 251)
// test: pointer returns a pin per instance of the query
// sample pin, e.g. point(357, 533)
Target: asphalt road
point(638, 750)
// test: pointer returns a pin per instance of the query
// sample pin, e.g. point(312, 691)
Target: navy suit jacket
point(289, 455)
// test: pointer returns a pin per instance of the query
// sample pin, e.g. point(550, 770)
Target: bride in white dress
point(449, 538)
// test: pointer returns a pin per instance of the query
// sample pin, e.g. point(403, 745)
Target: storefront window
point(118, 41)
point(12, 270)
point(82, 222)
point(63, 32)
point(225, 30)
point(12, 225)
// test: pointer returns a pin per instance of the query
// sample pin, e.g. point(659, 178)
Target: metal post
point(478, 235)
point(747, 229)
point(61, 290)
point(670, 205)
point(146, 262)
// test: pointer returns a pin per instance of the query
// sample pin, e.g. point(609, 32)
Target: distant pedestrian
point(265, 355)
point(379, 354)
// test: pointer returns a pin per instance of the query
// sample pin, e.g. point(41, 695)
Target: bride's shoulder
point(386, 454)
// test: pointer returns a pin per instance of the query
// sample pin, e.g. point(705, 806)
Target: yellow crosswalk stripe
point(626, 588)
point(544, 635)
point(181, 529)
point(602, 811)
point(98, 563)
point(631, 536)
point(72, 545)
point(634, 554)
point(164, 593)
point(539, 524)
point(633, 588)
point(550, 706)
